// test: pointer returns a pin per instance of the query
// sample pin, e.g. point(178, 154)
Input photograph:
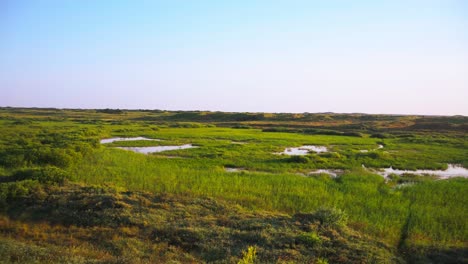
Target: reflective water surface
point(110, 140)
point(304, 150)
point(147, 150)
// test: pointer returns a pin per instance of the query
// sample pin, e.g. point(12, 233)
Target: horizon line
point(247, 112)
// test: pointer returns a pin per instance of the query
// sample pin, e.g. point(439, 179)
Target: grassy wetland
point(231, 197)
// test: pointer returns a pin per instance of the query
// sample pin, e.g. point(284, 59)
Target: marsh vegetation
point(67, 176)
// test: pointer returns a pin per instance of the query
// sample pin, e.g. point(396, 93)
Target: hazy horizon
point(396, 57)
point(214, 111)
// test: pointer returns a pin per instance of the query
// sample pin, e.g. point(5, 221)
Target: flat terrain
point(68, 196)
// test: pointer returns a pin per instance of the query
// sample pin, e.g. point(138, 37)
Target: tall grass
point(373, 206)
point(429, 213)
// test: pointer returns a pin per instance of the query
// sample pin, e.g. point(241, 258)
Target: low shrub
point(298, 159)
point(381, 135)
point(310, 239)
point(249, 256)
point(47, 175)
point(331, 217)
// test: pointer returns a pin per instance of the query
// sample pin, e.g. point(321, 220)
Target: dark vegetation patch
point(110, 111)
point(313, 131)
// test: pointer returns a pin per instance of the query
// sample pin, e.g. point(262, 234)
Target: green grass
point(428, 214)
point(374, 207)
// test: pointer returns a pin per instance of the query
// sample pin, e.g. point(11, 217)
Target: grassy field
point(48, 151)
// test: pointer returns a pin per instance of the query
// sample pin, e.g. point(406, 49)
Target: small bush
point(48, 175)
point(249, 256)
point(331, 217)
point(14, 190)
point(322, 261)
point(371, 155)
point(353, 134)
point(298, 159)
point(380, 135)
point(310, 239)
point(12, 159)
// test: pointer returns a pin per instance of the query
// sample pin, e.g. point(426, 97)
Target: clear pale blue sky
point(408, 57)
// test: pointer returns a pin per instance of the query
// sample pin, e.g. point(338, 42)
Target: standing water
point(147, 150)
point(451, 171)
point(304, 150)
point(110, 140)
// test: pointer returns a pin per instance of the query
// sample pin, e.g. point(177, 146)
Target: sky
point(380, 57)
